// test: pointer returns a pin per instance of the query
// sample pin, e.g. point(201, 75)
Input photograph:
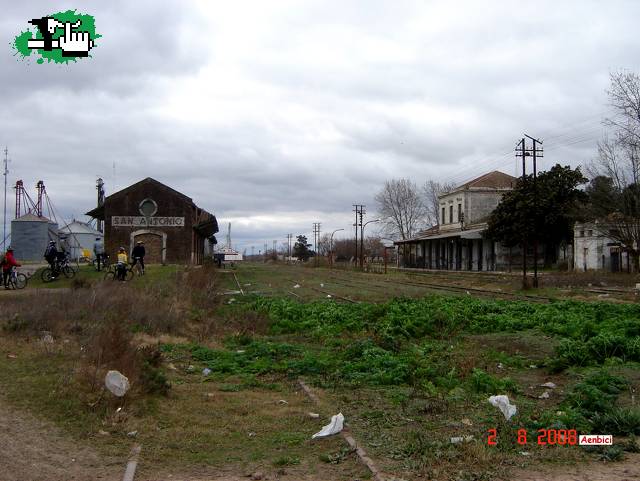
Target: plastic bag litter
point(206, 371)
point(550, 385)
point(334, 427)
point(544, 395)
point(116, 383)
point(297, 286)
point(502, 403)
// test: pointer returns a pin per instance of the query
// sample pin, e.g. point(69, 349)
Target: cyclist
point(51, 256)
point(121, 267)
point(138, 255)
point(98, 250)
point(8, 263)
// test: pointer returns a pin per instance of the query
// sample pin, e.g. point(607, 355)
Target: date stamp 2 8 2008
point(555, 437)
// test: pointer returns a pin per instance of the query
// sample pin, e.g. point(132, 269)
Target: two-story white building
point(456, 243)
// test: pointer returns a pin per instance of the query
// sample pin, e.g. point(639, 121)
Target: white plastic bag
point(502, 403)
point(116, 383)
point(334, 427)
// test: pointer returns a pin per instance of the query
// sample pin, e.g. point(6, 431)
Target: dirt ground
point(36, 451)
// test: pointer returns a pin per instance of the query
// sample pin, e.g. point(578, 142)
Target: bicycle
point(17, 280)
point(137, 266)
point(60, 267)
point(112, 273)
point(105, 263)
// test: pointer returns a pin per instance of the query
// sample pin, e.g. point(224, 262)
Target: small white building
point(78, 238)
point(595, 251)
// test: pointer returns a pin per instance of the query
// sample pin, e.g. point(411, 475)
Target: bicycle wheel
point(110, 275)
point(47, 275)
point(129, 275)
point(69, 272)
point(19, 281)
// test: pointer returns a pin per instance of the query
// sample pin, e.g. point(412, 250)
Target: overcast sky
point(277, 114)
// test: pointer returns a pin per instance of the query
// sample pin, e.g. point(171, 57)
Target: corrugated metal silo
point(30, 236)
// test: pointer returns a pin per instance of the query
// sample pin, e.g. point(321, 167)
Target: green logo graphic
point(59, 37)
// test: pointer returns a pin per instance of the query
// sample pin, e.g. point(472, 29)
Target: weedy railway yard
point(217, 358)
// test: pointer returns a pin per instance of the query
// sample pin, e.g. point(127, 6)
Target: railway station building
point(456, 243)
point(173, 228)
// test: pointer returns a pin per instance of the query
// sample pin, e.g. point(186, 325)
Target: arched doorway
point(155, 245)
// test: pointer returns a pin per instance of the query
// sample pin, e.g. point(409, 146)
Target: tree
point(401, 208)
point(516, 218)
point(301, 248)
point(431, 190)
point(603, 196)
point(617, 160)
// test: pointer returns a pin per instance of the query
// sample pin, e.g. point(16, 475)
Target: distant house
point(456, 243)
point(594, 250)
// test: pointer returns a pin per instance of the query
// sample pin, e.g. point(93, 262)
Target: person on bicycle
point(121, 267)
point(98, 250)
point(138, 255)
point(51, 256)
point(8, 263)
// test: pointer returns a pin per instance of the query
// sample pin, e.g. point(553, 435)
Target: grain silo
point(30, 235)
point(78, 239)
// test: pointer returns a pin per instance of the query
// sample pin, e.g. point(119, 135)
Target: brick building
point(173, 229)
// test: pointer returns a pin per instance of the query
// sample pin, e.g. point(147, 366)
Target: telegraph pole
point(521, 151)
point(362, 212)
point(289, 237)
point(316, 240)
point(6, 172)
point(358, 210)
point(535, 153)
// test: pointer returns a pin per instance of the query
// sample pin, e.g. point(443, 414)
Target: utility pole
point(289, 237)
point(521, 151)
point(535, 153)
point(358, 210)
point(316, 240)
point(6, 172)
point(252, 259)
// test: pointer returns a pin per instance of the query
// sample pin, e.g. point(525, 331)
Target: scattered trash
point(468, 293)
point(500, 365)
point(282, 401)
point(116, 383)
point(132, 434)
point(12, 356)
point(544, 395)
point(119, 409)
point(240, 351)
point(328, 296)
point(209, 395)
point(334, 427)
point(47, 339)
point(525, 453)
point(560, 413)
point(550, 385)
point(502, 403)
point(460, 439)
point(321, 284)
point(247, 285)
point(191, 368)
point(314, 415)
point(103, 433)
point(232, 300)
point(533, 366)
point(252, 434)
point(297, 286)
point(172, 366)
point(467, 422)
point(206, 371)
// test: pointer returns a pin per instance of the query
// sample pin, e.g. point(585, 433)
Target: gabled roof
point(150, 180)
point(491, 180)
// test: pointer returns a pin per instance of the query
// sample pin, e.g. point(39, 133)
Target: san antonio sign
point(140, 221)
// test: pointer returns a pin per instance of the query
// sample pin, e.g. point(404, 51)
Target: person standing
point(122, 264)
point(98, 250)
point(138, 255)
point(8, 263)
